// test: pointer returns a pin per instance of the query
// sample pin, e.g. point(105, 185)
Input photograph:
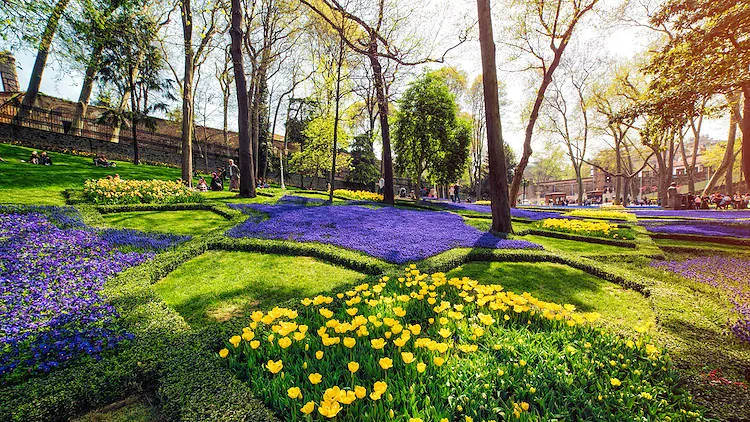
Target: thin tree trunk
point(247, 176)
point(727, 163)
point(187, 93)
point(29, 98)
point(340, 63)
point(85, 95)
point(133, 125)
point(498, 171)
point(385, 131)
point(746, 134)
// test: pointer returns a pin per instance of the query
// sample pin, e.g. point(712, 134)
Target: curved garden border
point(163, 358)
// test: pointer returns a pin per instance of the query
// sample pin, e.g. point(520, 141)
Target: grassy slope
point(177, 222)
point(24, 183)
point(621, 309)
point(219, 285)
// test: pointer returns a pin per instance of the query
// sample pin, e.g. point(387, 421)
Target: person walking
point(450, 193)
point(457, 193)
point(234, 176)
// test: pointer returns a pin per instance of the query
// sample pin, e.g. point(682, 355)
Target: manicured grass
point(218, 286)
point(24, 183)
point(621, 309)
point(176, 222)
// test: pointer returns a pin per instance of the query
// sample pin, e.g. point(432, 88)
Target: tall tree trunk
point(29, 98)
point(498, 177)
point(339, 64)
point(85, 96)
point(187, 93)
point(618, 170)
point(746, 134)
point(385, 132)
point(727, 163)
point(247, 175)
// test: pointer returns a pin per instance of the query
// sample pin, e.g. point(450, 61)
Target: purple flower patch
point(51, 308)
point(395, 235)
point(731, 275)
point(700, 228)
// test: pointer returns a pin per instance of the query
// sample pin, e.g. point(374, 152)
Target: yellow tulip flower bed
point(428, 348)
point(358, 195)
point(602, 214)
point(587, 228)
point(117, 191)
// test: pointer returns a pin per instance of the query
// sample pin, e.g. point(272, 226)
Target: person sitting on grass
point(45, 159)
point(202, 186)
point(34, 159)
point(217, 179)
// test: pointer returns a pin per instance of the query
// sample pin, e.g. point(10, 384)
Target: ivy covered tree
point(427, 135)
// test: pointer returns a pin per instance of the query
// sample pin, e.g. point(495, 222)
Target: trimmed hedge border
point(163, 358)
point(698, 238)
point(217, 208)
point(589, 239)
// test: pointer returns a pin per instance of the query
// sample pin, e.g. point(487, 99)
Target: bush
point(117, 191)
point(438, 349)
point(358, 195)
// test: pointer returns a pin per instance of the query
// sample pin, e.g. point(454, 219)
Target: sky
point(622, 42)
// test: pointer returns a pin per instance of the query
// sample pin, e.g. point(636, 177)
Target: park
point(310, 210)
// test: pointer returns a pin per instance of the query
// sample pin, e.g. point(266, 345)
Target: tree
point(134, 63)
point(567, 115)
point(545, 29)
point(247, 175)
point(499, 198)
point(40, 63)
point(315, 156)
point(364, 170)
point(707, 54)
point(372, 39)
point(194, 57)
point(426, 135)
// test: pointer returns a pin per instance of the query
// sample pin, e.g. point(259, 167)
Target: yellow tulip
point(315, 378)
point(248, 335)
point(308, 407)
point(294, 393)
point(421, 367)
point(285, 342)
point(224, 353)
point(319, 354)
point(360, 392)
point(386, 363)
point(377, 343)
point(438, 361)
point(349, 342)
point(615, 382)
point(407, 357)
point(274, 367)
point(254, 344)
point(235, 340)
point(353, 367)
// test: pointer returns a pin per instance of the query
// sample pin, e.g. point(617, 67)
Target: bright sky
point(621, 42)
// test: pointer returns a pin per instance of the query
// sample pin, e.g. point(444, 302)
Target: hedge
point(178, 365)
point(698, 238)
point(217, 208)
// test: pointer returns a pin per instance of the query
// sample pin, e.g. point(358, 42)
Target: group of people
point(454, 192)
point(722, 201)
point(231, 172)
point(101, 161)
point(41, 159)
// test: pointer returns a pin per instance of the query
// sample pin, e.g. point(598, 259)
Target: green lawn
point(24, 183)
point(621, 309)
point(177, 222)
point(218, 285)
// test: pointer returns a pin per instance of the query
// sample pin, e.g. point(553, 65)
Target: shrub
point(358, 195)
point(586, 228)
point(117, 191)
point(438, 349)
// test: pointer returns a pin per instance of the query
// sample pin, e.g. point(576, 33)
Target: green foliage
point(427, 135)
point(363, 167)
point(315, 157)
point(178, 222)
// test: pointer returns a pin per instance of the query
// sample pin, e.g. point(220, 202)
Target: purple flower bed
point(65, 217)
point(729, 274)
point(395, 235)
point(140, 240)
point(716, 215)
point(700, 228)
point(51, 308)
